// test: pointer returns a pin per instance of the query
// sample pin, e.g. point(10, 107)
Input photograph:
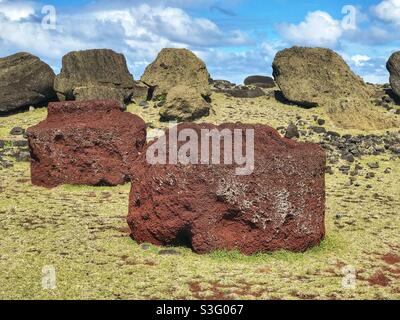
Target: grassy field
point(82, 232)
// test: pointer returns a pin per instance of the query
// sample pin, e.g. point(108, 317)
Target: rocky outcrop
point(25, 81)
point(393, 66)
point(184, 104)
point(260, 81)
point(174, 67)
point(94, 74)
point(314, 77)
point(279, 205)
point(232, 90)
point(85, 143)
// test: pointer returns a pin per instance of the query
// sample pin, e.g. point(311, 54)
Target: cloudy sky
point(236, 38)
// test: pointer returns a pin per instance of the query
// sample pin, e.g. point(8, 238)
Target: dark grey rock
point(260, 81)
point(348, 157)
point(23, 156)
point(17, 131)
point(25, 81)
point(20, 143)
point(370, 175)
point(168, 252)
point(318, 130)
point(145, 246)
point(393, 66)
point(373, 165)
point(292, 132)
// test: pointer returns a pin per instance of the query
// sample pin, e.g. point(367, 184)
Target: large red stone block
point(279, 205)
point(85, 143)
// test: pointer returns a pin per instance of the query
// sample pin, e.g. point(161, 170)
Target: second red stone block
point(85, 143)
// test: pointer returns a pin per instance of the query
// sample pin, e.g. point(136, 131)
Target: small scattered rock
point(329, 170)
point(17, 131)
point(5, 164)
point(358, 167)
point(20, 143)
point(344, 169)
point(373, 165)
point(292, 131)
point(145, 246)
point(318, 130)
point(348, 157)
point(23, 156)
point(395, 149)
point(168, 252)
point(370, 175)
point(144, 104)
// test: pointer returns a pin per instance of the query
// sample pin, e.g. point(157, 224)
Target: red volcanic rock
point(280, 205)
point(86, 143)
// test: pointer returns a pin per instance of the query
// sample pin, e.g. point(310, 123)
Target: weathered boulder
point(184, 104)
point(174, 67)
point(25, 81)
point(94, 74)
point(244, 92)
point(85, 143)
point(218, 85)
point(393, 66)
point(280, 205)
point(231, 89)
point(98, 93)
point(140, 92)
point(260, 81)
point(314, 77)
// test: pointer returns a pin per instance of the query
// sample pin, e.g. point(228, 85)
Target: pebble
point(373, 165)
point(17, 131)
point(168, 252)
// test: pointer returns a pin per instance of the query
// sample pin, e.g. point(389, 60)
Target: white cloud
point(173, 24)
point(236, 66)
point(381, 78)
point(318, 29)
point(16, 10)
point(139, 32)
point(388, 11)
point(359, 60)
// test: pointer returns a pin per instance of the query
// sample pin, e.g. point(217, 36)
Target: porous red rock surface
point(85, 143)
point(281, 205)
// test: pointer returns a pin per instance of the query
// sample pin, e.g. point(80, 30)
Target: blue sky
point(236, 38)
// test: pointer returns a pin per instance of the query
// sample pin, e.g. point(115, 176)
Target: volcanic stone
point(292, 131)
point(393, 66)
point(25, 81)
point(314, 77)
point(184, 104)
point(260, 81)
point(85, 143)
point(174, 67)
point(280, 205)
point(94, 75)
